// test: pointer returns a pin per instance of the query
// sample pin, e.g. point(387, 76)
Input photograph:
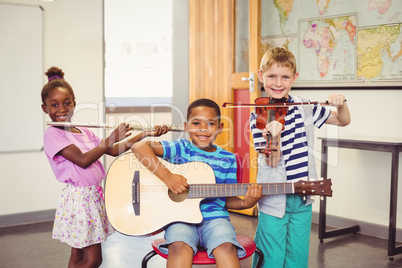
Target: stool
point(201, 258)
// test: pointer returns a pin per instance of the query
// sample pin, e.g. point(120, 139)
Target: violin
point(266, 114)
point(269, 109)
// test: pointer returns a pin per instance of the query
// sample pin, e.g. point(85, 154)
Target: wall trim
point(137, 101)
point(143, 109)
point(366, 228)
point(27, 218)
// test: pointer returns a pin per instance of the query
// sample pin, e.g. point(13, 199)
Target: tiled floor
point(32, 246)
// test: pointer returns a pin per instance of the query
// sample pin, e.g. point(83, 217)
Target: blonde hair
point(280, 56)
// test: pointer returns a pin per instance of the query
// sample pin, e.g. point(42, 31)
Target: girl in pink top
point(73, 154)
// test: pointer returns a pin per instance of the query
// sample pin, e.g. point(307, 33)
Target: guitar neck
point(236, 189)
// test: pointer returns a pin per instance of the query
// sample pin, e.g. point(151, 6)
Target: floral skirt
point(81, 219)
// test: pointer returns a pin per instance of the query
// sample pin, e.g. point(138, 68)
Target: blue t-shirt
point(221, 161)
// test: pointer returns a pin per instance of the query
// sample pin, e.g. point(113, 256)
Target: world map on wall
point(338, 40)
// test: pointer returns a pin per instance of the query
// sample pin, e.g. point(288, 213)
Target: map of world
point(337, 40)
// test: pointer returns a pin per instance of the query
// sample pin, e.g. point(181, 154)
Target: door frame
point(254, 58)
point(237, 81)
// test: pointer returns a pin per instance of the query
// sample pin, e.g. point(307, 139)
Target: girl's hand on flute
point(120, 133)
point(159, 131)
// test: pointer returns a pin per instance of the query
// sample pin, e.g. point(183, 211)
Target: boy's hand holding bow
point(340, 117)
point(336, 100)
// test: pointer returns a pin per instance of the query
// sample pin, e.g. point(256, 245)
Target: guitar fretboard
point(236, 189)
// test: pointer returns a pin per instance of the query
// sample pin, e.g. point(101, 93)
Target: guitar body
point(139, 203)
point(156, 206)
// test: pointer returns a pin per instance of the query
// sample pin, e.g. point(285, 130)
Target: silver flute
point(176, 128)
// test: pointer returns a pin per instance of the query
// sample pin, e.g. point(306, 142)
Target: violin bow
point(245, 105)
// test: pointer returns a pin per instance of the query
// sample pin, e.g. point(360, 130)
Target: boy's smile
point(203, 127)
point(277, 80)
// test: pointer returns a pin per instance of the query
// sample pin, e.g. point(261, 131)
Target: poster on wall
point(338, 42)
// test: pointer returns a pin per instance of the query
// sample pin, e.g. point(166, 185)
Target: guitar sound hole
point(177, 197)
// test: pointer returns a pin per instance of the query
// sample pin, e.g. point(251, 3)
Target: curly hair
point(205, 103)
point(55, 77)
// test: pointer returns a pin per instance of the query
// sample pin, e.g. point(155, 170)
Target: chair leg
point(147, 258)
point(260, 257)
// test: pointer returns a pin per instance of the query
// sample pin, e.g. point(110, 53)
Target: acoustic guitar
point(139, 203)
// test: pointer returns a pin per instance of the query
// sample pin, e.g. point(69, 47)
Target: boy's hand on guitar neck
point(253, 195)
point(176, 183)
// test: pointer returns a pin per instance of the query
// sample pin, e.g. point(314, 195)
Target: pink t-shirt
point(66, 171)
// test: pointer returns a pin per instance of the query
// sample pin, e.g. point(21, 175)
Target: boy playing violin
point(215, 233)
point(284, 221)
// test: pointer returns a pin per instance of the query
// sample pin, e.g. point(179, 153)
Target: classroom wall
point(73, 40)
point(361, 179)
point(180, 62)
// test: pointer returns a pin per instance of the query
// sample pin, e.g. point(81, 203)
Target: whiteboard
point(21, 78)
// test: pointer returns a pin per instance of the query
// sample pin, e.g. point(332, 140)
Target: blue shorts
point(209, 234)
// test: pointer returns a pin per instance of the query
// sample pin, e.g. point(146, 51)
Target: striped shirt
point(222, 162)
point(293, 139)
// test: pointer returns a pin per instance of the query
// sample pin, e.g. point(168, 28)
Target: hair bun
point(54, 73)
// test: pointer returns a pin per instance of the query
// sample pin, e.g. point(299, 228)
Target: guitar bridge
point(135, 190)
